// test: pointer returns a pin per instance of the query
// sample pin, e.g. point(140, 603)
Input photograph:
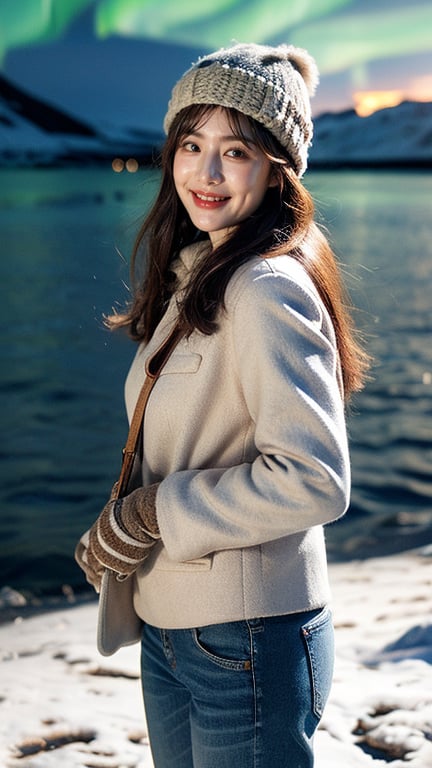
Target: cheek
point(176, 171)
point(260, 175)
point(180, 168)
point(259, 185)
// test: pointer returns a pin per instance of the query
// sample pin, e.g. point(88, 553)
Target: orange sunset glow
point(367, 102)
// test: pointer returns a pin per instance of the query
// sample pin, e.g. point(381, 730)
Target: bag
point(118, 623)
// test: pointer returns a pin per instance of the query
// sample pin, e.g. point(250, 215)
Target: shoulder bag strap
point(153, 368)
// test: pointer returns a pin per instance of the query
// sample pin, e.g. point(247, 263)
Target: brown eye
point(237, 153)
point(190, 146)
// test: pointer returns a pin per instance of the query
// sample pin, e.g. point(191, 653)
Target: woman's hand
point(122, 536)
point(92, 568)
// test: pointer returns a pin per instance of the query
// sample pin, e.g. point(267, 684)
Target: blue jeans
point(245, 694)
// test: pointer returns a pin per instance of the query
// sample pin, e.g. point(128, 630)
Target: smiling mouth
point(209, 200)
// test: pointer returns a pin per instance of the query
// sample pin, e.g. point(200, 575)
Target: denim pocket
point(227, 645)
point(319, 641)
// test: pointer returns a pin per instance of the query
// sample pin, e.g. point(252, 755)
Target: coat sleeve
point(287, 366)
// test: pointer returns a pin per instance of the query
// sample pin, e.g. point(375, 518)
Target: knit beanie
point(271, 85)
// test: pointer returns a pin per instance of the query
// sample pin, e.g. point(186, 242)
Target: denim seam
point(308, 631)
point(256, 704)
point(168, 648)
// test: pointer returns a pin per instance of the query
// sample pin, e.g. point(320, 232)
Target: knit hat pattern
point(272, 85)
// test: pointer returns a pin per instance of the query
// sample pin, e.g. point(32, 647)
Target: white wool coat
point(245, 432)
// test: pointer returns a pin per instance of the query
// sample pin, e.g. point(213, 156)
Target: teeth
point(209, 199)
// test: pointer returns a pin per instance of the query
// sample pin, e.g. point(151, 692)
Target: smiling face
point(220, 178)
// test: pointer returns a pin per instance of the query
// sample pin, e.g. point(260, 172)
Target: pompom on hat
point(271, 85)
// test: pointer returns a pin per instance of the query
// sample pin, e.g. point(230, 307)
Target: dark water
point(64, 236)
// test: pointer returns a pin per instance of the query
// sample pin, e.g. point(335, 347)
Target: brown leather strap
point(153, 368)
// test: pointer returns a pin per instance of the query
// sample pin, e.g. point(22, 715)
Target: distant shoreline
point(46, 604)
point(29, 604)
point(148, 160)
point(371, 165)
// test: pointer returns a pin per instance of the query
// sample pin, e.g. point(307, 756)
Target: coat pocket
point(200, 564)
point(182, 362)
point(163, 563)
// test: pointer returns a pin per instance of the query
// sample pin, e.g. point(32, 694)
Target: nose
point(210, 171)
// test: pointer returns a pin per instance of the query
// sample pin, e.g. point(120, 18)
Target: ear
point(273, 180)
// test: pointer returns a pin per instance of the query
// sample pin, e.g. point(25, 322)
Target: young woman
point(244, 450)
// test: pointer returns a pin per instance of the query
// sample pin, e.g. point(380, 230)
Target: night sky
point(115, 61)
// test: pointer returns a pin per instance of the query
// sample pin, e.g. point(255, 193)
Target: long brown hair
point(284, 223)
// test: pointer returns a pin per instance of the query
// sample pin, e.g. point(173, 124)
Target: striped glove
point(125, 531)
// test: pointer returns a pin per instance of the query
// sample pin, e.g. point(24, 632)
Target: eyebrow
point(228, 137)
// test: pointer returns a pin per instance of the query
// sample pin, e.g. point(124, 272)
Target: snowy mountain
point(396, 137)
point(35, 133)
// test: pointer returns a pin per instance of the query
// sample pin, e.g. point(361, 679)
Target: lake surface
point(65, 238)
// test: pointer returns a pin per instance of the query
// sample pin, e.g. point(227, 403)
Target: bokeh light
point(132, 165)
point(118, 165)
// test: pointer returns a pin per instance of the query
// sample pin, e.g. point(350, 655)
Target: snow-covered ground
point(62, 705)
